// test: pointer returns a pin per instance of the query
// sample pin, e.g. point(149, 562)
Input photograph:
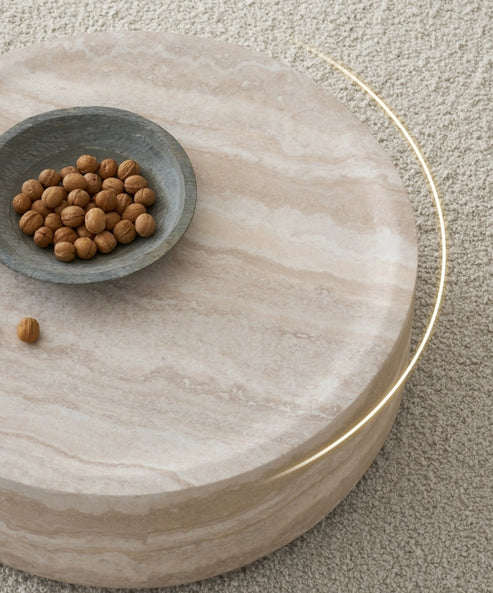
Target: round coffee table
point(144, 439)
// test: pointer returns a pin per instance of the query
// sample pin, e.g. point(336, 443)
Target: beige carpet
point(422, 517)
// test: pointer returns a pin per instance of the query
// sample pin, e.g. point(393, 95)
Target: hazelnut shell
point(28, 330)
point(105, 242)
point(74, 181)
point(95, 220)
point(145, 225)
point(134, 183)
point(49, 177)
point(73, 216)
point(85, 248)
point(64, 251)
point(43, 236)
point(30, 222)
point(124, 231)
point(21, 203)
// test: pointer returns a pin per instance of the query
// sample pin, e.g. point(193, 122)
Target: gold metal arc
point(443, 261)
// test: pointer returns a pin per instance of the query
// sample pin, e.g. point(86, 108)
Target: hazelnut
point(107, 168)
point(65, 251)
point(87, 164)
point(33, 189)
point(93, 183)
point(134, 183)
point(41, 207)
point(43, 236)
point(124, 231)
point(64, 235)
point(113, 183)
point(127, 168)
point(123, 200)
point(145, 196)
point(30, 222)
point(78, 197)
point(28, 330)
point(53, 221)
point(111, 219)
point(67, 171)
point(86, 208)
point(85, 248)
point(105, 242)
point(83, 232)
point(74, 181)
point(95, 220)
point(106, 200)
point(61, 207)
point(49, 177)
point(73, 216)
point(21, 203)
point(145, 225)
point(53, 196)
point(132, 211)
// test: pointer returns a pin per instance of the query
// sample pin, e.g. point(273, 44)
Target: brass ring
point(443, 261)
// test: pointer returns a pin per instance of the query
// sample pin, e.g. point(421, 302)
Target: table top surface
point(267, 320)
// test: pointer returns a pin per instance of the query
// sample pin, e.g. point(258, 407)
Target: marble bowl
point(55, 139)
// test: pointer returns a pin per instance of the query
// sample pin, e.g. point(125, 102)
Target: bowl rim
point(73, 275)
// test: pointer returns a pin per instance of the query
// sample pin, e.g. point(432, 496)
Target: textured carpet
point(421, 519)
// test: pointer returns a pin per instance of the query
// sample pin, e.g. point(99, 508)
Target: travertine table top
point(269, 318)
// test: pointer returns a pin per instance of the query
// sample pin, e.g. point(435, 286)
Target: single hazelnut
point(73, 216)
point(62, 207)
point(124, 231)
point(53, 196)
point(132, 211)
point(30, 222)
point(49, 177)
point(122, 201)
point(113, 183)
point(33, 189)
point(146, 196)
point(127, 168)
point(145, 225)
point(43, 236)
point(78, 197)
point(28, 330)
point(67, 171)
point(93, 183)
point(95, 220)
point(134, 183)
point(41, 207)
point(64, 235)
point(87, 164)
point(105, 242)
point(64, 251)
point(85, 248)
point(74, 181)
point(107, 168)
point(106, 200)
point(83, 232)
point(111, 219)
point(21, 203)
point(53, 221)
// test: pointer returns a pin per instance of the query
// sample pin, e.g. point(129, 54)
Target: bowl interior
point(56, 139)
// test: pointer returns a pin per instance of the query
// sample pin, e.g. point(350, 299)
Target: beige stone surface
point(139, 434)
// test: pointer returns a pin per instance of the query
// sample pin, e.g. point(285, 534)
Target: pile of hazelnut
point(86, 209)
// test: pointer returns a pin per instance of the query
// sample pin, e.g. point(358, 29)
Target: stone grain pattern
point(139, 437)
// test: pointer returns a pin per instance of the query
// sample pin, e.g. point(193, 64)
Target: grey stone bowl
point(56, 139)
